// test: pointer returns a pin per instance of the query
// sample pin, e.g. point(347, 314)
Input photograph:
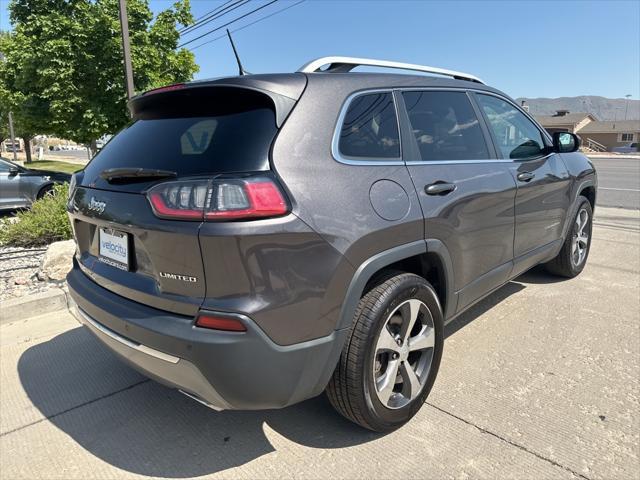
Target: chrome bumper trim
point(125, 341)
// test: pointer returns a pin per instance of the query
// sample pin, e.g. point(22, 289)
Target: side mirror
point(565, 142)
point(14, 171)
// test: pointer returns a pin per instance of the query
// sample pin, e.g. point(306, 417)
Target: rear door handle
point(439, 188)
point(526, 176)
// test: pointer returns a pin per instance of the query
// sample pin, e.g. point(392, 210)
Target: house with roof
point(611, 134)
point(565, 121)
point(596, 135)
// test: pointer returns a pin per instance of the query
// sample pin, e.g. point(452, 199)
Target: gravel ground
point(18, 268)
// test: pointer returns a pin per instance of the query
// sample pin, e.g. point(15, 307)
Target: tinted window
point(445, 126)
point(219, 136)
point(370, 128)
point(516, 135)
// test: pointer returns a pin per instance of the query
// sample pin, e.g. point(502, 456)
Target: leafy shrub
point(46, 222)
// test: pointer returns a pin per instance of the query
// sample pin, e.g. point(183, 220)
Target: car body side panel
point(334, 198)
point(476, 221)
point(541, 204)
point(10, 191)
point(279, 272)
point(583, 175)
point(31, 183)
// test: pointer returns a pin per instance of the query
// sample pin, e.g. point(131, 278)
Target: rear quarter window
point(369, 129)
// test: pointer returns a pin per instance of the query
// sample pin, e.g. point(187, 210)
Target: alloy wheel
point(580, 242)
point(403, 354)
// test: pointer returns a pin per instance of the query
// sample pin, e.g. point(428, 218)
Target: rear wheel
point(573, 257)
point(391, 359)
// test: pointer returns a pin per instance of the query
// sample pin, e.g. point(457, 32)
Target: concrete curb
point(33, 305)
point(614, 155)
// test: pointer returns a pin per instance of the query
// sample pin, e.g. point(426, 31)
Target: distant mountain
point(603, 108)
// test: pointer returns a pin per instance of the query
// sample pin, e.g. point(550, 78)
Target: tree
point(63, 71)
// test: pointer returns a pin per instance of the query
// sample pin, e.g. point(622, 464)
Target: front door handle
point(439, 188)
point(526, 176)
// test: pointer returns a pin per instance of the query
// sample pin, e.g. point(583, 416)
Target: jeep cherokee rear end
point(254, 240)
point(200, 272)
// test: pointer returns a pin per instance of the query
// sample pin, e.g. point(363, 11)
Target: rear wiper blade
point(125, 174)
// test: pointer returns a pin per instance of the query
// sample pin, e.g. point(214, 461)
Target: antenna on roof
point(241, 71)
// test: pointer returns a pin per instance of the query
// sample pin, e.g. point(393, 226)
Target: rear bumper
point(226, 370)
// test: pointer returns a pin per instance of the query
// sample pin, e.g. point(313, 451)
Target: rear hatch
point(137, 207)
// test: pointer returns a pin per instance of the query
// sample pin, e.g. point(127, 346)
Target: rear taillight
point(218, 199)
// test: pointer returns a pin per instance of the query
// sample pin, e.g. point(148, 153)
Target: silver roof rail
point(346, 64)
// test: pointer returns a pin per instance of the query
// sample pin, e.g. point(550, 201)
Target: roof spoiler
point(138, 104)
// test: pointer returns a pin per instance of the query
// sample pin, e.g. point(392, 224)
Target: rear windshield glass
point(194, 136)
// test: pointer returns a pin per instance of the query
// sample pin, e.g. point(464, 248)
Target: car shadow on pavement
point(539, 275)
point(482, 307)
point(139, 426)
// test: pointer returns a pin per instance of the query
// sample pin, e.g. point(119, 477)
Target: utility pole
point(124, 27)
point(13, 137)
point(626, 109)
point(11, 133)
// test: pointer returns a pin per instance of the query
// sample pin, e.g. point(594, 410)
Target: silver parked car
point(631, 147)
point(20, 186)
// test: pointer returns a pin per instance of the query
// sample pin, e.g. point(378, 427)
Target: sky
point(525, 48)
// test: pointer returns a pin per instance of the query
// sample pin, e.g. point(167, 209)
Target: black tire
point(566, 264)
point(352, 389)
point(44, 191)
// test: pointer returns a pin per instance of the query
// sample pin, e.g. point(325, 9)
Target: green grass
point(54, 166)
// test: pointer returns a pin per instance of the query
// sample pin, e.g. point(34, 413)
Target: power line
point(227, 24)
point(244, 26)
point(248, 24)
point(207, 13)
point(214, 16)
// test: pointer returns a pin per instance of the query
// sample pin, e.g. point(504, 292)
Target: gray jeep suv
point(254, 241)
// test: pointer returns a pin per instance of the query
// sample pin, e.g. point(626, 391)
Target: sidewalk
point(539, 380)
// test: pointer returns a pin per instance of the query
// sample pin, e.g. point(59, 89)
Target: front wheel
point(46, 191)
point(573, 257)
point(392, 356)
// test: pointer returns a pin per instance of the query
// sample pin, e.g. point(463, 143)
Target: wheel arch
point(42, 188)
point(586, 188)
point(589, 192)
point(428, 258)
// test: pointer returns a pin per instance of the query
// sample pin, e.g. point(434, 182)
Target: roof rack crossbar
point(346, 64)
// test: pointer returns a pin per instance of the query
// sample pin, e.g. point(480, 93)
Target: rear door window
point(445, 126)
point(516, 136)
point(369, 130)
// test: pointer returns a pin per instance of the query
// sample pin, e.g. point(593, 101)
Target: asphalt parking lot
point(540, 380)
